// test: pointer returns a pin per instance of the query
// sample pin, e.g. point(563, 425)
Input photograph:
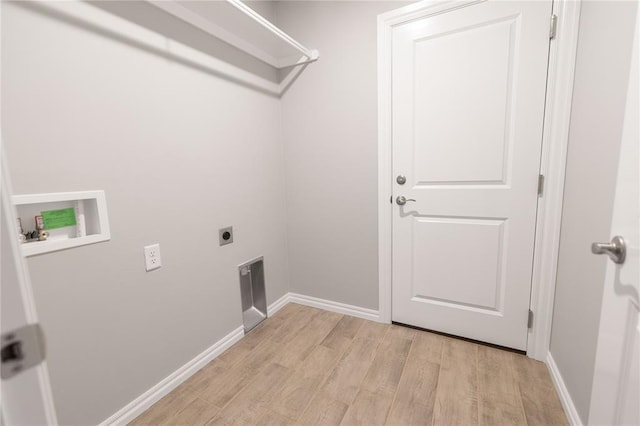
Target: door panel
point(468, 102)
point(478, 285)
point(616, 382)
point(472, 65)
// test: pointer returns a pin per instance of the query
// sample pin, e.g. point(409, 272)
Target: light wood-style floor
point(306, 366)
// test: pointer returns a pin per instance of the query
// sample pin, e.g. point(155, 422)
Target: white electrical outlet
point(152, 258)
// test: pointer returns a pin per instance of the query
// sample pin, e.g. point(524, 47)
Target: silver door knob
point(616, 249)
point(401, 200)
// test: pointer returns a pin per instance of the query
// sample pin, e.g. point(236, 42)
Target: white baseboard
point(153, 395)
point(278, 304)
point(563, 392)
point(329, 305)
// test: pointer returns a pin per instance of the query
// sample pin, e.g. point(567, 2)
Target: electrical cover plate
point(225, 235)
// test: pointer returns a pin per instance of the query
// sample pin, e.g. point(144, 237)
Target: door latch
point(402, 200)
point(616, 249)
point(20, 350)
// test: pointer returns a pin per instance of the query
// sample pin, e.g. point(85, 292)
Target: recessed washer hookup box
point(252, 293)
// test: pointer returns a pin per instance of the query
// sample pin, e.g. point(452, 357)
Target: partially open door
point(616, 385)
point(26, 397)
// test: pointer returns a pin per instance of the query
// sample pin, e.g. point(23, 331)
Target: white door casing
point(468, 96)
point(615, 394)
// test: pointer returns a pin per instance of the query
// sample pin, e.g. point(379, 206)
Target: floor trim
point(278, 304)
point(153, 395)
point(563, 392)
point(341, 308)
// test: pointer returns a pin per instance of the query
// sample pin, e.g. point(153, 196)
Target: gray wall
point(602, 72)
point(171, 146)
point(331, 138)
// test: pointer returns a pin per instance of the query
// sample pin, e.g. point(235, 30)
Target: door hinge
point(540, 185)
point(21, 349)
point(553, 26)
point(391, 199)
point(530, 320)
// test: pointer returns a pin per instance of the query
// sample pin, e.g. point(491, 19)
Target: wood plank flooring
point(305, 366)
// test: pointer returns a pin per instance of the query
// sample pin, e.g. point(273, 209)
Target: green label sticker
point(54, 219)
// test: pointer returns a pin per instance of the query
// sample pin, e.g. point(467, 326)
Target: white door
point(26, 397)
point(615, 398)
point(468, 100)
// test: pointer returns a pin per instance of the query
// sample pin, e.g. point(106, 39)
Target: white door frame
point(555, 139)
